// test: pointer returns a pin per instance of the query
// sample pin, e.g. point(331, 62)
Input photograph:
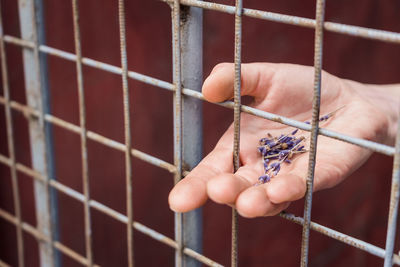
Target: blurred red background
point(357, 207)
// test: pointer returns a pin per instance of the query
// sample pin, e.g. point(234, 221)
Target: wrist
point(387, 99)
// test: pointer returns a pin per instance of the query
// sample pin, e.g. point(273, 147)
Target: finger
point(226, 187)
point(271, 198)
point(255, 77)
point(285, 188)
point(254, 202)
point(191, 192)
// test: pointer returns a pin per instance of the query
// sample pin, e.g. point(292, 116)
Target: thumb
point(256, 79)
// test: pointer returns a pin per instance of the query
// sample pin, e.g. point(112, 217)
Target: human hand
point(286, 90)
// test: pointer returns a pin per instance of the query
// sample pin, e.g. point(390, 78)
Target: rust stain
point(277, 120)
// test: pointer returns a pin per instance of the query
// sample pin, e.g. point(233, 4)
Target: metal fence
point(187, 34)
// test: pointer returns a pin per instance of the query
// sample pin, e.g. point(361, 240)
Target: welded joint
point(169, 2)
point(184, 10)
point(29, 116)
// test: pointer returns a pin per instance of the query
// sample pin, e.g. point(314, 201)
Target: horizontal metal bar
point(138, 226)
point(18, 41)
point(41, 237)
point(152, 233)
point(357, 31)
point(11, 146)
point(376, 147)
point(89, 62)
point(98, 206)
point(363, 32)
point(28, 112)
point(107, 67)
point(200, 257)
point(374, 250)
point(354, 242)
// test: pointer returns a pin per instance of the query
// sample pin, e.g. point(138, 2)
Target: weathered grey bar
point(36, 95)
point(192, 123)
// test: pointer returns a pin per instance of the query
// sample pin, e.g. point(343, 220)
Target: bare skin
point(370, 112)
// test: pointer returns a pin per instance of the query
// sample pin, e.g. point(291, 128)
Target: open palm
point(286, 90)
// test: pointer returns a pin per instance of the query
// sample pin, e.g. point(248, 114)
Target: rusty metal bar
point(192, 77)
point(385, 149)
point(369, 248)
point(346, 239)
point(44, 238)
point(376, 147)
point(178, 146)
point(318, 51)
point(363, 32)
point(236, 121)
point(394, 203)
point(98, 206)
point(11, 147)
point(30, 24)
point(18, 41)
point(29, 113)
point(83, 135)
point(152, 233)
point(127, 127)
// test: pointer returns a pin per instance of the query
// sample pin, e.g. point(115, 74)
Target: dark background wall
point(357, 207)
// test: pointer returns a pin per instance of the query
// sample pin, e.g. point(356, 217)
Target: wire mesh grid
point(38, 119)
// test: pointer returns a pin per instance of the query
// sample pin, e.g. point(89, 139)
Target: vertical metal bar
point(11, 146)
point(318, 43)
point(394, 203)
point(35, 94)
point(127, 126)
point(192, 77)
point(83, 133)
point(48, 127)
point(176, 46)
point(236, 123)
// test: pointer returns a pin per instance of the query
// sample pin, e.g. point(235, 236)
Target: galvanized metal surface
point(150, 159)
point(43, 238)
point(30, 113)
point(11, 147)
point(394, 203)
point(376, 147)
point(83, 134)
point(35, 95)
point(192, 123)
point(96, 205)
point(351, 241)
point(127, 129)
point(36, 114)
point(369, 248)
point(178, 145)
point(318, 43)
point(368, 33)
point(111, 143)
